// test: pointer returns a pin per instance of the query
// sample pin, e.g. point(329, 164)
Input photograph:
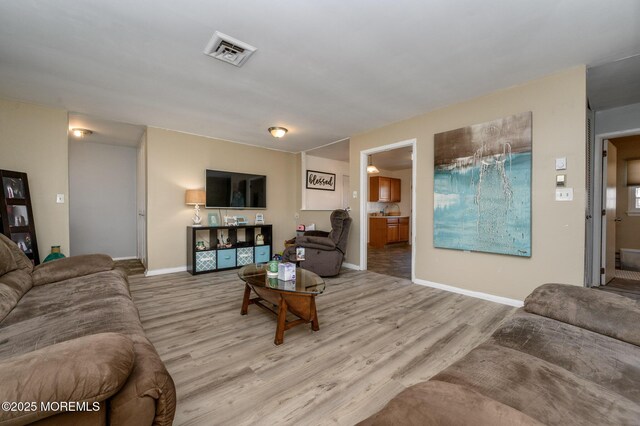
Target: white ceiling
point(395, 159)
point(336, 151)
point(324, 69)
point(106, 131)
point(614, 84)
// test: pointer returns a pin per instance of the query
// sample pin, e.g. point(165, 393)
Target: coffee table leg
point(315, 325)
point(282, 320)
point(245, 301)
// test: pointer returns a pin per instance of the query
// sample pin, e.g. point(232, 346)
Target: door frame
point(597, 206)
point(364, 198)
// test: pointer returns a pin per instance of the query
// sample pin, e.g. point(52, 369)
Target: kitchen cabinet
point(388, 229)
point(384, 189)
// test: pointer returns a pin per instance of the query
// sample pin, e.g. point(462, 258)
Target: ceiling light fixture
point(278, 132)
point(80, 133)
point(371, 168)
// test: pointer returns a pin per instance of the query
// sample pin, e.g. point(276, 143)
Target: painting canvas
point(482, 187)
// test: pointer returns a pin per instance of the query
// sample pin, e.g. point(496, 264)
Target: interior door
point(609, 218)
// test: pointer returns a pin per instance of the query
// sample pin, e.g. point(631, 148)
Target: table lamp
point(195, 197)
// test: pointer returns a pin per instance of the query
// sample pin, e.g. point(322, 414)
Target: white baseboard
point(165, 271)
point(476, 294)
point(351, 266)
point(125, 258)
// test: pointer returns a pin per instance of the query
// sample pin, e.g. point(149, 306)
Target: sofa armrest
point(599, 311)
point(84, 370)
point(149, 396)
point(71, 267)
point(321, 243)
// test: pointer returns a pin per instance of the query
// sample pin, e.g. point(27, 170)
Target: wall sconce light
point(80, 133)
point(278, 132)
point(371, 168)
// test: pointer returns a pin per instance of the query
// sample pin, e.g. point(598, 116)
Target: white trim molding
point(478, 295)
point(351, 266)
point(364, 198)
point(165, 271)
point(125, 258)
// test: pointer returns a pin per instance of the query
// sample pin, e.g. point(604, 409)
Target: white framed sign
point(321, 180)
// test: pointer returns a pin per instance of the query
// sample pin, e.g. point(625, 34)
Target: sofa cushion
point(542, 390)
point(22, 261)
point(600, 359)
point(67, 310)
point(7, 263)
point(13, 286)
point(88, 369)
point(599, 311)
point(69, 294)
point(71, 267)
point(441, 403)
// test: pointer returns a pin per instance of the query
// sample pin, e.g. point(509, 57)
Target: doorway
point(617, 242)
point(104, 168)
point(387, 210)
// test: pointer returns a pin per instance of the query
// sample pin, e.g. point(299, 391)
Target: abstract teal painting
point(482, 187)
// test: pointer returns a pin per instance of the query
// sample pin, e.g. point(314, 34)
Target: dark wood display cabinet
point(16, 214)
point(217, 248)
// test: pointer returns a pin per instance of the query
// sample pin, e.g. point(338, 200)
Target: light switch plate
point(561, 163)
point(355, 194)
point(564, 194)
point(60, 198)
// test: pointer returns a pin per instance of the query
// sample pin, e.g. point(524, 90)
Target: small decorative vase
point(55, 254)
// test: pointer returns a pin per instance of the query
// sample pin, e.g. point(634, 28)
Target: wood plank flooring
point(378, 335)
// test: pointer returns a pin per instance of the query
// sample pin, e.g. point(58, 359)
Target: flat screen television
point(229, 190)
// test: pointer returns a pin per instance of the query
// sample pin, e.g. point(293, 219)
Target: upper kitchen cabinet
point(384, 189)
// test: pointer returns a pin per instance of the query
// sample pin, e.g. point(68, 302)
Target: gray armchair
point(324, 251)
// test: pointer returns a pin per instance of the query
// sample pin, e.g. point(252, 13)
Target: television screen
point(230, 190)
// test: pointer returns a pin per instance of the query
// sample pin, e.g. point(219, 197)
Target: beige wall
point(177, 161)
point(558, 106)
point(627, 230)
point(33, 139)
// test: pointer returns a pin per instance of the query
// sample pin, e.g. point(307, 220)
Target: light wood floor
point(378, 335)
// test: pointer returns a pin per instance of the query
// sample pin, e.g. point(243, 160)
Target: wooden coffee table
point(297, 297)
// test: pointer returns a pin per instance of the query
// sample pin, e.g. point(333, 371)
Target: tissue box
point(287, 271)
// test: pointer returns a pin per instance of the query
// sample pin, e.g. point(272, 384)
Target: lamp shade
point(633, 172)
point(194, 196)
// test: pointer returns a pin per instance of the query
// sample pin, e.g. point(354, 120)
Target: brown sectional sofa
point(571, 356)
point(69, 332)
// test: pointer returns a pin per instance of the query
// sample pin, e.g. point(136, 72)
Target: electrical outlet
point(296, 216)
point(60, 198)
point(355, 194)
point(564, 194)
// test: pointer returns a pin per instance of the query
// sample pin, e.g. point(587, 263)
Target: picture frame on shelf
point(214, 219)
point(13, 188)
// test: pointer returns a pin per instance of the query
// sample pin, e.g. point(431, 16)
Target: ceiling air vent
point(228, 49)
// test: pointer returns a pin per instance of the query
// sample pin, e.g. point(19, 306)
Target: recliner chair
point(324, 251)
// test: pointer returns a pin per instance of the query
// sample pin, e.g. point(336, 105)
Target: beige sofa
point(571, 356)
point(72, 348)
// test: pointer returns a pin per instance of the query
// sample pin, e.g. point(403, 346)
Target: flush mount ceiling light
point(80, 133)
point(371, 168)
point(278, 132)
